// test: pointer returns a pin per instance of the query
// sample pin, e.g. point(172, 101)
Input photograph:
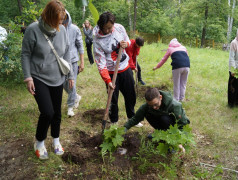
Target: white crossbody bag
point(63, 64)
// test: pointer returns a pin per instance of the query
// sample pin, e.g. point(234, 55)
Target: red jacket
point(132, 51)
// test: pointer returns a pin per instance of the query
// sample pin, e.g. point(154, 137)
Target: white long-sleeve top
point(233, 57)
point(106, 48)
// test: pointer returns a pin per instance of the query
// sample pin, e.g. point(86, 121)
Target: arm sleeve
point(139, 116)
point(79, 41)
point(28, 45)
point(180, 115)
point(130, 53)
point(68, 58)
point(85, 32)
point(232, 56)
point(100, 59)
point(125, 36)
point(164, 59)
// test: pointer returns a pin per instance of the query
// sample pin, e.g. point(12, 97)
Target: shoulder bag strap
point(51, 45)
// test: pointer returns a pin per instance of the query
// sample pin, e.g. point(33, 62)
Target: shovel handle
point(110, 91)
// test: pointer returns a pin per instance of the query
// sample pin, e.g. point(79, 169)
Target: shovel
point(136, 78)
point(110, 91)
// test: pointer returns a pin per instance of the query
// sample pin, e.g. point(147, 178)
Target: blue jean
point(72, 93)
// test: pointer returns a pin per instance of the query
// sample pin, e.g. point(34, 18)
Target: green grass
point(213, 123)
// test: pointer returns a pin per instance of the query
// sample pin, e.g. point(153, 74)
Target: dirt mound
point(142, 89)
point(94, 116)
point(90, 142)
point(132, 143)
point(84, 148)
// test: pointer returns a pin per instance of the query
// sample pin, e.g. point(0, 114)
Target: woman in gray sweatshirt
point(42, 73)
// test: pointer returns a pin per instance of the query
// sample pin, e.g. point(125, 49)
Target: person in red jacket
point(133, 51)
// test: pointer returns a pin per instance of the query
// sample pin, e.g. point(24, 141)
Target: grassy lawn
point(213, 123)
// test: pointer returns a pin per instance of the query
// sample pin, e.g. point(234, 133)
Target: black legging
point(139, 72)
point(161, 122)
point(49, 101)
point(125, 83)
point(89, 52)
point(232, 91)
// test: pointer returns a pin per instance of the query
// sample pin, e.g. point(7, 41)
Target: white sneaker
point(70, 112)
point(78, 98)
point(114, 123)
point(41, 153)
point(58, 149)
point(139, 125)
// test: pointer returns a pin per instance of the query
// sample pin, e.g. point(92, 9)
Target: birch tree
point(230, 20)
point(129, 15)
point(135, 12)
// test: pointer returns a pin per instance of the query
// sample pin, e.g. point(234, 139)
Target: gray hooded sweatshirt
point(38, 59)
point(75, 40)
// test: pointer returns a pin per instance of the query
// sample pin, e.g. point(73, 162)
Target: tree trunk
point(84, 10)
point(19, 6)
point(230, 20)
point(204, 29)
point(135, 11)
point(129, 16)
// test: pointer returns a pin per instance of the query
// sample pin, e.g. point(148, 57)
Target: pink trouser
point(180, 77)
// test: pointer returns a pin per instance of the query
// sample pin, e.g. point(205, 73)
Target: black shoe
point(171, 151)
point(142, 82)
point(149, 136)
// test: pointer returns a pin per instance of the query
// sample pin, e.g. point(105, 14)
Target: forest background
point(202, 19)
point(195, 23)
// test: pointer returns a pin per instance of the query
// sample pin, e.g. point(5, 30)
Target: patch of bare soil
point(142, 89)
point(83, 149)
point(95, 116)
point(14, 162)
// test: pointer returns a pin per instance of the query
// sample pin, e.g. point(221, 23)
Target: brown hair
point(152, 93)
point(140, 41)
point(104, 18)
point(52, 13)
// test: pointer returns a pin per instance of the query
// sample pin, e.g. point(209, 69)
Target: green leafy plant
point(112, 138)
point(10, 50)
point(235, 71)
point(93, 11)
point(172, 138)
point(29, 14)
point(10, 55)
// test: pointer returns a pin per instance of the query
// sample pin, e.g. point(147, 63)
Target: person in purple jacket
point(180, 67)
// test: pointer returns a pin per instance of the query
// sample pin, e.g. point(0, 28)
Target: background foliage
point(197, 20)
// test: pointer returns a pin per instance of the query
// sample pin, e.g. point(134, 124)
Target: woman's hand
point(81, 67)
point(31, 87)
point(123, 44)
point(154, 68)
point(71, 83)
point(111, 86)
point(182, 150)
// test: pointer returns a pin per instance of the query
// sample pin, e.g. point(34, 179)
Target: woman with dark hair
point(108, 38)
point(42, 73)
point(88, 32)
